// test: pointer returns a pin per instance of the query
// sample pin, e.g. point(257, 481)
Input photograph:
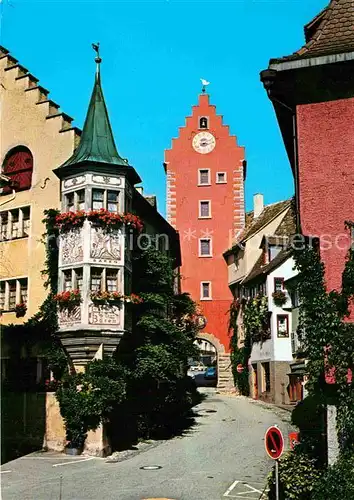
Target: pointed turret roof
point(330, 32)
point(97, 144)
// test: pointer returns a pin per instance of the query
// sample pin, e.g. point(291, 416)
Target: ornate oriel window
point(18, 166)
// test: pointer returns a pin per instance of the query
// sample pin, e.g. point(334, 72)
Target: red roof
point(330, 32)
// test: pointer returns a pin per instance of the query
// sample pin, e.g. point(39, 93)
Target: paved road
point(223, 449)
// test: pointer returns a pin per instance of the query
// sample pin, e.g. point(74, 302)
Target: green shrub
point(338, 481)
point(298, 473)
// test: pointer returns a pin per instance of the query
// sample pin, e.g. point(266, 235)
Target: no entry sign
point(239, 368)
point(274, 442)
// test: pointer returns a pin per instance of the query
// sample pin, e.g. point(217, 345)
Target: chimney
point(258, 205)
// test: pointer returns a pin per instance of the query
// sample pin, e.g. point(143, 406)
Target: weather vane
point(96, 48)
point(205, 83)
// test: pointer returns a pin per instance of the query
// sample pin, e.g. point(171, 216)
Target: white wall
point(281, 346)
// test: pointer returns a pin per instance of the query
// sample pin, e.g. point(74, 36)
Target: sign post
point(274, 445)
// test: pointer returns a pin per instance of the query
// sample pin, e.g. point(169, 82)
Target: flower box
point(107, 298)
point(103, 218)
point(70, 220)
point(68, 300)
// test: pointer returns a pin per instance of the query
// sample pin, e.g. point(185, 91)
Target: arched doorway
point(225, 381)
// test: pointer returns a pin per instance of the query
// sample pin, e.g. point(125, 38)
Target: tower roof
point(330, 32)
point(97, 144)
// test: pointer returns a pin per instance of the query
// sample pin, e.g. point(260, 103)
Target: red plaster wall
point(326, 179)
point(227, 211)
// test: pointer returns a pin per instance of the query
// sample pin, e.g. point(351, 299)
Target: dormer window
point(203, 122)
point(273, 251)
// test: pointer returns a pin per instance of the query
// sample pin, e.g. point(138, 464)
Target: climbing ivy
point(327, 337)
point(255, 321)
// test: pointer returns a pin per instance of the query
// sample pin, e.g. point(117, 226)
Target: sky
point(154, 54)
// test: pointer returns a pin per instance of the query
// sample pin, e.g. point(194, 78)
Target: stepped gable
point(31, 84)
point(330, 32)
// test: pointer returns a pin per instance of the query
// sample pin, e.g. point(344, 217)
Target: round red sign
point(274, 442)
point(239, 368)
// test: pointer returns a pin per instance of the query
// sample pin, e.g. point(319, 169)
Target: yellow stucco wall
point(23, 122)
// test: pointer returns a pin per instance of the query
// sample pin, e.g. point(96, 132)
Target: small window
point(2, 295)
point(23, 290)
point(26, 214)
point(282, 325)
point(3, 225)
point(69, 202)
point(204, 209)
point(68, 285)
point(15, 224)
point(278, 284)
point(113, 201)
point(81, 199)
point(79, 280)
point(96, 279)
point(111, 280)
point(97, 199)
point(221, 177)
point(203, 122)
point(205, 247)
point(205, 290)
point(204, 177)
point(12, 294)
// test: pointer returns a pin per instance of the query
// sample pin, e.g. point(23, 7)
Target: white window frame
point(104, 277)
point(105, 198)
point(200, 209)
point(208, 122)
point(209, 179)
point(210, 247)
point(20, 222)
point(217, 180)
point(210, 291)
point(76, 200)
point(18, 280)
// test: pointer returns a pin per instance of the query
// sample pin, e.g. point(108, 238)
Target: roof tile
point(334, 33)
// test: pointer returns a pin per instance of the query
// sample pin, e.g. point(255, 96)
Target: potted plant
point(279, 298)
point(20, 309)
point(68, 300)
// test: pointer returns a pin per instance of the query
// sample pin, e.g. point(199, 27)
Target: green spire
point(97, 143)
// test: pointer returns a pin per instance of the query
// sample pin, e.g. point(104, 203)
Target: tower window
point(112, 280)
point(68, 284)
point(97, 199)
point(113, 201)
point(204, 177)
point(81, 199)
point(203, 122)
point(204, 209)
point(205, 247)
point(221, 177)
point(205, 290)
